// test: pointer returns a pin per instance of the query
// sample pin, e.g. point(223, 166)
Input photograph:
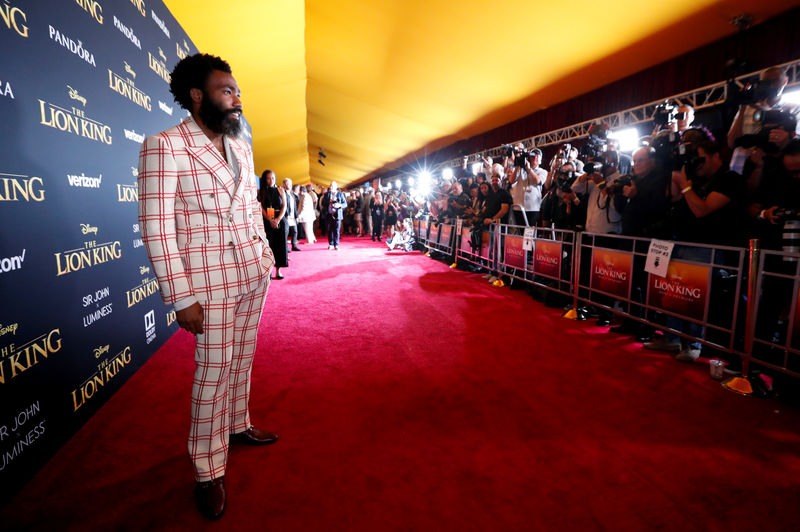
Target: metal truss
point(701, 98)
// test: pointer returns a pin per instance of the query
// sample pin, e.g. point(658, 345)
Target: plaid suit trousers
point(221, 389)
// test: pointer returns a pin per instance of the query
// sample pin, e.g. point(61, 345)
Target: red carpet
point(412, 397)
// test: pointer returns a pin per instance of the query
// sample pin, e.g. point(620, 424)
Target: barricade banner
point(466, 237)
point(485, 244)
point(444, 234)
point(612, 272)
point(547, 258)
point(514, 254)
point(684, 290)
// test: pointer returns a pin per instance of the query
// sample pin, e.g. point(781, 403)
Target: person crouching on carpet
point(405, 239)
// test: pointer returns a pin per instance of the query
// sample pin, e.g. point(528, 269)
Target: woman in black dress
point(376, 211)
point(273, 209)
point(390, 213)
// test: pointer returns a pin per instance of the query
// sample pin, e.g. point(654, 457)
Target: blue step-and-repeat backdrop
point(82, 82)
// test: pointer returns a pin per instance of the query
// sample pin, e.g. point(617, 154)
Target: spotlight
point(389, 186)
point(476, 168)
point(628, 139)
point(424, 180)
point(447, 173)
point(398, 184)
point(410, 181)
point(791, 97)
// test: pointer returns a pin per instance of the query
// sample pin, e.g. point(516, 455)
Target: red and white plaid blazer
point(204, 234)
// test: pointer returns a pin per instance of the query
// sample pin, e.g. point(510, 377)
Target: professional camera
point(665, 113)
point(769, 120)
point(565, 180)
point(596, 143)
point(752, 93)
point(520, 156)
point(675, 151)
point(616, 186)
point(784, 215)
point(594, 166)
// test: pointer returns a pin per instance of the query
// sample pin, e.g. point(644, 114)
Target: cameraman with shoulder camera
point(766, 95)
point(778, 128)
point(526, 179)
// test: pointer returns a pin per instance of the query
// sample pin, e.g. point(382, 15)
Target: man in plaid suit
point(201, 224)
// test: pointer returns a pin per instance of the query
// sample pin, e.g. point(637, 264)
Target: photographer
point(644, 203)
point(669, 117)
point(778, 128)
point(555, 210)
point(776, 203)
point(599, 182)
point(708, 199)
point(776, 210)
point(457, 201)
point(526, 179)
point(764, 96)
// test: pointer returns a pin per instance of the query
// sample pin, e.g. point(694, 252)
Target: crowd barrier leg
point(742, 384)
point(573, 313)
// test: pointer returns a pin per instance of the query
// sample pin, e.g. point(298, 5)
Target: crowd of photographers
point(681, 184)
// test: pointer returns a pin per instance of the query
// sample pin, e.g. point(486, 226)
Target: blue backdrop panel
point(81, 83)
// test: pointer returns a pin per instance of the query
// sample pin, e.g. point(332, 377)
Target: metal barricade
point(474, 247)
point(441, 238)
point(421, 231)
point(732, 300)
point(774, 333)
point(547, 264)
point(698, 299)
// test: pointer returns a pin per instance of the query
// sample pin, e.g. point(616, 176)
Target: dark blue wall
point(81, 82)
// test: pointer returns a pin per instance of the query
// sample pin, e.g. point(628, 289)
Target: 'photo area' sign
point(611, 272)
point(684, 290)
point(547, 258)
point(514, 253)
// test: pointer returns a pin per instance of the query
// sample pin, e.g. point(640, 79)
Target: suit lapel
point(203, 150)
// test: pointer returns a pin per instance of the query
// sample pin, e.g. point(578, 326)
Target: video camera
point(520, 156)
point(667, 112)
point(565, 180)
point(675, 151)
point(596, 143)
point(752, 93)
point(769, 120)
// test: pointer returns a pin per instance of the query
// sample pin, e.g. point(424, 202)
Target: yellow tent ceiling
point(375, 83)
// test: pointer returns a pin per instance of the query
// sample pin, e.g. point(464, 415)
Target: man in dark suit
point(336, 204)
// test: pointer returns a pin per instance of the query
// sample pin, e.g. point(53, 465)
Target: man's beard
point(219, 120)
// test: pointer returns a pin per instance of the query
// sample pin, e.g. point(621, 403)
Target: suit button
point(230, 243)
point(211, 195)
point(255, 237)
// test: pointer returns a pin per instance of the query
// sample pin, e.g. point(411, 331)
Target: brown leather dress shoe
point(254, 436)
point(210, 498)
